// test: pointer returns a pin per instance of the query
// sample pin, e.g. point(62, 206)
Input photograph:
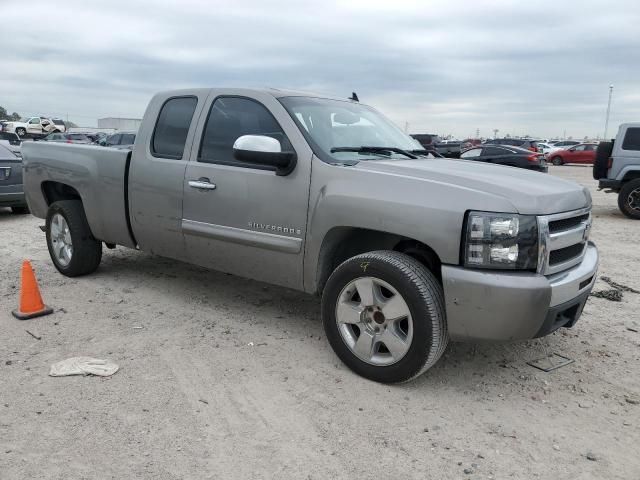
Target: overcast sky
point(449, 67)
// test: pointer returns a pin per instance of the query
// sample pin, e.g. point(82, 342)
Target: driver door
point(237, 217)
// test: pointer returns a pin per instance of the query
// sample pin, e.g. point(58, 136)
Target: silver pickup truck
point(329, 197)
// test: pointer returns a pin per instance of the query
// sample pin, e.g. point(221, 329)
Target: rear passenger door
point(248, 221)
point(156, 173)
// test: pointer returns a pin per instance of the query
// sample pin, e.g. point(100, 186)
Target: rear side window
point(172, 127)
point(231, 118)
point(631, 139)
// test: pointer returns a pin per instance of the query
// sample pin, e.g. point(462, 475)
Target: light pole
point(606, 122)
point(495, 133)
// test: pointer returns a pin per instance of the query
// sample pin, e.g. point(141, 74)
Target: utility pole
point(406, 127)
point(477, 133)
point(606, 122)
point(495, 132)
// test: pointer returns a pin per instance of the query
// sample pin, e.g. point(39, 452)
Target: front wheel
point(557, 161)
point(21, 132)
point(384, 316)
point(629, 199)
point(72, 247)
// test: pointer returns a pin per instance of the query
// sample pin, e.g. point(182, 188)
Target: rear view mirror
point(263, 150)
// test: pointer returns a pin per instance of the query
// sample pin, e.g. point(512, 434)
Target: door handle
point(202, 184)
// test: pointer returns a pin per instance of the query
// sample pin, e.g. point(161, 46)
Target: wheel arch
point(342, 243)
point(631, 175)
point(55, 191)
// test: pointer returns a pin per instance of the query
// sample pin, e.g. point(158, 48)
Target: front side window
point(114, 139)
point(330, 126)
point(631, 139)
point(34, 121)
point(579, 148)
point(172, 127)
point(231, 118)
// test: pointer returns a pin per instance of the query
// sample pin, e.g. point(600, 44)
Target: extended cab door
point(238, 217)
point(156, 172)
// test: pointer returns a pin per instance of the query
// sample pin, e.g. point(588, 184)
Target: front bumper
point(609, 183)
point(500, 306)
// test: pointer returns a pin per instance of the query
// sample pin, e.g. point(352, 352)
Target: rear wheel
point(383, 313)
point(73, 249)
point(629, 199)
point(557, 161)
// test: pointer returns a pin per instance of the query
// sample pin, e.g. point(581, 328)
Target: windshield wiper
point(365, 149)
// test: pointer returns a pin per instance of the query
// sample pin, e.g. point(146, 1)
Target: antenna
point(354, 97)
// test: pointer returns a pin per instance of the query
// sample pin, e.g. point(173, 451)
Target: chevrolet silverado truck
point(617, 168)
point(328, 197)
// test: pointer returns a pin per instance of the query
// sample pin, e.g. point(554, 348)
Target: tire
point(629, 199)
point(22, 210)
point(424, 336)
point(601, 163)
point(21, 132)
point(557, 161)
point(85, 253)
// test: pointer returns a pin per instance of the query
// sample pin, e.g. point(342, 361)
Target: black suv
point(515, 142)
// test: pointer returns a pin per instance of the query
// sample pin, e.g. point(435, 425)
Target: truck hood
point(529, 192)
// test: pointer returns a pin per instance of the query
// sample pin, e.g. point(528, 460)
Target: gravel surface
point(222, 377)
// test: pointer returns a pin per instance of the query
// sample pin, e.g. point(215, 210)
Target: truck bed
point(82, 168)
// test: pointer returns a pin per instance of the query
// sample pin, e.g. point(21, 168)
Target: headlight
point(500, 241)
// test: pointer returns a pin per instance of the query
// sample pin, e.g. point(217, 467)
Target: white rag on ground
point(83, 366)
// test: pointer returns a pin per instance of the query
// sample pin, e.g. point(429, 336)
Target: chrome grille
point(562, 240)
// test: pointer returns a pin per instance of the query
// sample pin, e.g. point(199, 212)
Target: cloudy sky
point(537, 67)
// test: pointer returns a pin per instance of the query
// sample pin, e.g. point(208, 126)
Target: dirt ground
point(222, 377)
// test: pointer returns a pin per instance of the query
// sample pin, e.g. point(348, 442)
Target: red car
point(581, 153)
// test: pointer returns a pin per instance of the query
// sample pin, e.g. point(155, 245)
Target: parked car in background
point(544, 147)
point(565, 143)
point(470, 142)
point(446, 148)
point(34, 127)
point(67, 138)
point(12, 142)
point(11, 191)
point(617, 168)
point(581, 153)
point(531, 145)
point(506, 155)
point(119, 140)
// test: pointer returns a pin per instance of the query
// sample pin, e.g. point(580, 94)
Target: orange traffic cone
point(31, 304)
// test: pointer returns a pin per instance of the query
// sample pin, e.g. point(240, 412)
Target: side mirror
point(263, 150)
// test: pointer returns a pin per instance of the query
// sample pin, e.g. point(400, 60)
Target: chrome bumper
point(498, 306)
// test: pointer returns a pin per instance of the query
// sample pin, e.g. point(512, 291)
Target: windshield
point(338, 130)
